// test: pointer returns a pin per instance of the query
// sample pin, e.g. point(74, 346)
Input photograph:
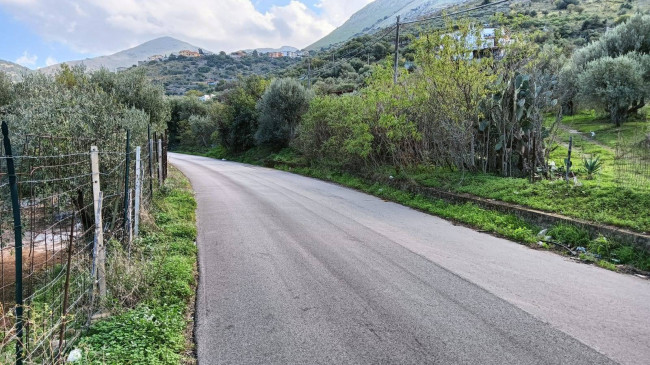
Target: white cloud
point(102, 27)
point(49, 61)
point(27, 60)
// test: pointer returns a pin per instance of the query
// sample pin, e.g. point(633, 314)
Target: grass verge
point(151, 290)
point(593, 249)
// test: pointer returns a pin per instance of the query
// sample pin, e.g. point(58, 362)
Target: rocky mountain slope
point(159, 46)
point(14, 70)
point(380, 14)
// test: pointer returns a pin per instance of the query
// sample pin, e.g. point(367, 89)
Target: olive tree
point(280, 110)
point(621, 91)
point(6, 90)
point(203, 129)
point(616, 84)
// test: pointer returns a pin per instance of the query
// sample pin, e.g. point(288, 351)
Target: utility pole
point(309, 71)
point(368, 59)
point(396, 51)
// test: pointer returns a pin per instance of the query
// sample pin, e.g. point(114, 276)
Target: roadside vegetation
point(152, 288)
point(495, 128)
point(145, 317)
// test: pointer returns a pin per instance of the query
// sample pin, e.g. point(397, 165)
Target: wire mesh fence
point(632, 161)
point(49, 234)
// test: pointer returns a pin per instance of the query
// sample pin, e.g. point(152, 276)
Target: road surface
point(295, 270)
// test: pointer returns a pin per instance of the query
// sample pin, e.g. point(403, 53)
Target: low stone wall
point(537, 217)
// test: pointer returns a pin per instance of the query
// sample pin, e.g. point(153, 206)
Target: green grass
point(596, 200)
point(606, 132)
point(153, 331)
point(601, 199)
point(502, 224)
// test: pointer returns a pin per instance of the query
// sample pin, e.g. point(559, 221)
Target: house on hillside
point(207, 97)
point(275, 54)
point(486, 44)
point(188, 53)
point(238, 54)
point(290, 54)
point(156, 57)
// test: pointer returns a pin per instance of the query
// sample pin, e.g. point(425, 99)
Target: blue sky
point(17, 39)
point(265, 5)
point(36, 33)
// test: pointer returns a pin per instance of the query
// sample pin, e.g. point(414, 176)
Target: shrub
point(570, 235)
point(615, 83)
point(143, 336)
point(6, 90)
point(621, 86)
point(332, 130)
point(281, 109)
point(592, 165)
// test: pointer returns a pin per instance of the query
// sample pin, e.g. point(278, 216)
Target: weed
point(606, 265)
point(570, 235)
point(592, 166)
point(150, 289)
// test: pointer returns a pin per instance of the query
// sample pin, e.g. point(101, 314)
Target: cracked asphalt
point(295, 270)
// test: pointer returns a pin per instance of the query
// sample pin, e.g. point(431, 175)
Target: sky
point(38, 33)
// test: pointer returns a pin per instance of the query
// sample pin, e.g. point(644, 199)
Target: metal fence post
point(160, 167)
point(127, 219)
point(130, 226)
point(99, 270)
point(138, 192)
point(150, 162)
point(164, 159)
point(568, 158)
point(18, 242)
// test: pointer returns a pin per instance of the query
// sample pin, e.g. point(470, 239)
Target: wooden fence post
point(98, 248)
point(138, 192)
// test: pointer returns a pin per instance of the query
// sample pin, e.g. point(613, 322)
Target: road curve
point(295, 270)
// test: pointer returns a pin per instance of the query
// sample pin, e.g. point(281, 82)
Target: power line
point(353, 54)
point(455, 13)
point(388, 31)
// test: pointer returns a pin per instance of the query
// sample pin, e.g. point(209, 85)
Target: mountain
point(14, 70)
point(127, 58)
point(381, 14)
point(268, 50)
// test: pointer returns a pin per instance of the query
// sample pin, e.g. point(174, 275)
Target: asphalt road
point(294, 270)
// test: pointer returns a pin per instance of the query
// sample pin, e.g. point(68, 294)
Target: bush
point(239, 120)
point(6, 90)
point(281, 109)
point(332, 130)
point(570, 235)
point(564, 4)
point(143, 336)
point(615, 83)
point(613, 72)
point(203, 128)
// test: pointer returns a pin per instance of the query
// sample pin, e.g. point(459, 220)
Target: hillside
point(380, 14)
point(14, 70)
point(127, 58)
point(267, 50)
point(181, 74)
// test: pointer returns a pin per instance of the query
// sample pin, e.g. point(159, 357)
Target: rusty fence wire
point(55, 276)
